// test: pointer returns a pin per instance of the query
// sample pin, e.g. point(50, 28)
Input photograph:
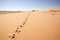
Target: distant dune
point(54, 10)
point(40, 25)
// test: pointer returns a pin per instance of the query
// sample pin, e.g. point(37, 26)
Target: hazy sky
point(28, 4)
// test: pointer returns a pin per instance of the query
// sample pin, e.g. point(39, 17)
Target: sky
point(26, 5)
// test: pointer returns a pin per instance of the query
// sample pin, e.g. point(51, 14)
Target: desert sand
point(41, 25)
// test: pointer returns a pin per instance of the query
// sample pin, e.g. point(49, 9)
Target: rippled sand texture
point(41, 25)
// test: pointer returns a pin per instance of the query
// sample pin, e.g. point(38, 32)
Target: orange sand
point(41, 25)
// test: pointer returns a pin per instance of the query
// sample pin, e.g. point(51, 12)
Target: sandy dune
point(41, 25)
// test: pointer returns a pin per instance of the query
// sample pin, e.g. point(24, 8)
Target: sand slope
point(41, 25)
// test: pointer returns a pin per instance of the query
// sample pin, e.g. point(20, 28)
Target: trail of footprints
point(13, 35)
point(18, 29)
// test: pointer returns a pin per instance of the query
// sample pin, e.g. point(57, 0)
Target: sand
point(41, 25)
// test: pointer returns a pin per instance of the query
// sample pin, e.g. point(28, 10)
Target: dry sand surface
point(41, 25)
